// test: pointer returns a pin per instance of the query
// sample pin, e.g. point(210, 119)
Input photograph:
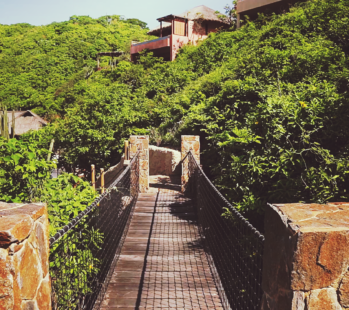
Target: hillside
point(270, 102)
point(37, 64)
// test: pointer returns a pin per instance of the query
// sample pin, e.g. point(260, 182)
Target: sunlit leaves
point(23, 170)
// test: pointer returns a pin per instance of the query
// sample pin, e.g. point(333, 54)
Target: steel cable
point(234, 246)
point(84, 251)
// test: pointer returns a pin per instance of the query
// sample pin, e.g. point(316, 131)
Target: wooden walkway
point(162, 263)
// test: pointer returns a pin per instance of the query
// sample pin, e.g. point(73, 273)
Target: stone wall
point(164, 161)
point(188, 143)
point(141, 143)
point(306, 257)
point(24, 250)
point(111, 174)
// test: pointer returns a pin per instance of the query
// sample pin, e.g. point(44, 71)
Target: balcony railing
point(246, 5)
point(151, 45)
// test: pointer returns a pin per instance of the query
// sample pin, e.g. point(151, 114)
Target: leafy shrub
point(23, 170)
point(273, 113)
point(72, 263)
point(40, 64)
point(66, 196)
point(25, 176)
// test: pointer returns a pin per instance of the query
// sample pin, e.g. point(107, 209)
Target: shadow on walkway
point(163, 263)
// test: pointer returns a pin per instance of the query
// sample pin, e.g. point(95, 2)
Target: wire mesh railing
point(234, 246)
point(83, 253)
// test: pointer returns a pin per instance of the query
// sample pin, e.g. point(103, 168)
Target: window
point(179, 28)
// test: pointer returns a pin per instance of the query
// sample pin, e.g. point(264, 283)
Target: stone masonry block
point(39, 242)
point(24, 251)
point(325, 298)
point(344, 291)
point(29, 305)
point(14, 228)
point(144, 165)
point(43, 296)
point(189, 138)
point(133, 149)
point(306, 253)
point(27, 278)
point(34, 210)
point(188, 143)
point(6, 281)
point(164, 161)
point(141, 143)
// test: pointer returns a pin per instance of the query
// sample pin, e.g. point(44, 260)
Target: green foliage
point(73, 265)
point(274, 111)
point(40, 64)
point(136, 21)
point(23, 170)
point(93, 132)
point(269, 100)
point(230, 14)
point(66, 196)
point(72, 262)
point(25, 176)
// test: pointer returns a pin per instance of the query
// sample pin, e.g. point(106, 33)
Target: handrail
point(83, 252)
point(231, 207)
point(60, 233)
point(151, 41)
point(233, 246)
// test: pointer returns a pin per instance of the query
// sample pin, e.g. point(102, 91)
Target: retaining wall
point(164, 161)
point(111, 174)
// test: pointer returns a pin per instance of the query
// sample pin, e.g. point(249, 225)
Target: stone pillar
point(188, 143)
point(306, 257)
point(141, 143)
point(24, 252)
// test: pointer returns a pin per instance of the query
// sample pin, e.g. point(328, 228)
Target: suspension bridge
point(166, 246)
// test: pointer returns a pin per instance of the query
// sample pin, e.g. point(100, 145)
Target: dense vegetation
point(38, 64)
point(25, 176)
point(270, 102)
point(23, 170)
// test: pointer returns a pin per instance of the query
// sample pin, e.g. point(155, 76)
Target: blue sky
point(42, 12)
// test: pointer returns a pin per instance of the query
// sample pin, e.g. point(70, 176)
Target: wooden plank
point(162, 261)
point(140, 226)
point(124, 294)
point(126, 281)
point(130, 266)
point(176, 209)
point(145, 204)
point(127, 274)
point(119, 302)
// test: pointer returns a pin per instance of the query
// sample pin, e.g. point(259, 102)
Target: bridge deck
point(162, 262)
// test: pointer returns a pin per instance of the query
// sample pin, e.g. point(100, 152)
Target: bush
point(23, 170)
point(66, 196)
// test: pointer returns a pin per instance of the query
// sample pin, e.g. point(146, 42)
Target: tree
point(229, 13)
point(137, 22)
